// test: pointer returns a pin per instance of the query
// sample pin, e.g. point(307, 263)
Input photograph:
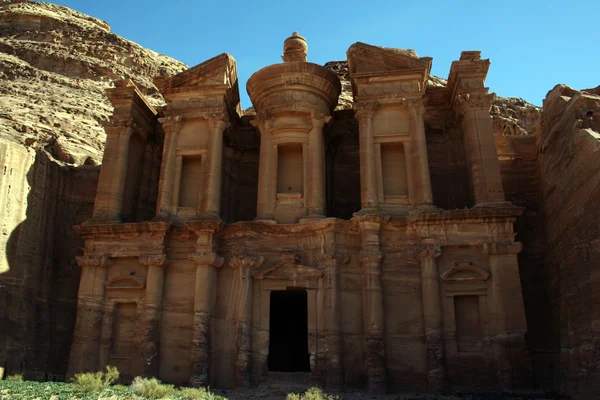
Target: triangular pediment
point(364, 58)
point(219, 70)
point(288, 269)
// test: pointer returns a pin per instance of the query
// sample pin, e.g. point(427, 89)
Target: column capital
point(171, 125)
point(93, 261)
point(332, 258)
point(502, 249)
point(416, 104)
point(319, 120)
point(207, 259)
point(428, 250)
point(473, 101)
point(245, 261)
point(370, 256)
point(365, 109)
point(218, 121)
point(154, 260)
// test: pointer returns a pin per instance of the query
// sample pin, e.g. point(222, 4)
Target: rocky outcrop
point(568, 143)
point(55, 64)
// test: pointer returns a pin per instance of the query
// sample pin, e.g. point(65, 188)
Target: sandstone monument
point(364, 225)
point(191, 277)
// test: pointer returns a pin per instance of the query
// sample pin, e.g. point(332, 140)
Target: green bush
point(96, 381)
point(120, 388)
point(313, 393)
point(15, 378)
point(151, 387)
point(198, 394)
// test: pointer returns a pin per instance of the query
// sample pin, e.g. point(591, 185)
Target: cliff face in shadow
point(40, 200)
point(55, 65)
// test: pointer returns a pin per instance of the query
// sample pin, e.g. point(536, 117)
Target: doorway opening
point(288, 331)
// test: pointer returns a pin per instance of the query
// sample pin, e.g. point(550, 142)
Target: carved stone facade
point(183, 280)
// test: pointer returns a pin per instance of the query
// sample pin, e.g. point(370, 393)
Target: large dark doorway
point(288, 331)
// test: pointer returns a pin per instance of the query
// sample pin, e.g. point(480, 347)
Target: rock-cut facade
point(300, 241)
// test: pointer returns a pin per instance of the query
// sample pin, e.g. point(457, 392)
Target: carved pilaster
point(212, 197)
point(150, 338)
point(371, 259)
point(368, 170)
point(316, 167)
point(478, 136)
point(508, 322)
point(245, 265)
point(204, 298)
point(331, 262)
point(166, 184)
point(85, 350)
point(427, 251)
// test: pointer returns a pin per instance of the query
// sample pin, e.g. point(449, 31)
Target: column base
point(495, 204)
point(265, 220)
point(311, 218)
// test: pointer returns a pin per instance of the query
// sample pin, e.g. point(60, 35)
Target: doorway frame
point(315, 323)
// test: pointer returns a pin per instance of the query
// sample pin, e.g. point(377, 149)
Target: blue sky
point(533, 45)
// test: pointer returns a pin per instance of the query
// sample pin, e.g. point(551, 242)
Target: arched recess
point(125, 282)
point(465, 273)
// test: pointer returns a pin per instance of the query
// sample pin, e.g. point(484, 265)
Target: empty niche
point(469, 336)
point(191, 181)
point(123, 329)
point(290, 169)
point(393, 170)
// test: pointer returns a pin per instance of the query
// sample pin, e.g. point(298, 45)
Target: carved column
point(267, 173)
point(111, 184)
point(246, 264)
point(90, 312)
point(420, 161)
point(335, 375)
point(212, 199)
point(432, 315)
point(368, 172)
point(204, 299)
point(152, 312)
point(508, 319)
point(167, 183)
point(371, 258)
point(316, 168)
point(480, 147)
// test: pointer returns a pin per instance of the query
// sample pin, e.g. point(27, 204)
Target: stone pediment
point(125, 282)
point(365, 59)
point(465, 272)
point(288, 269)
point(219, 70)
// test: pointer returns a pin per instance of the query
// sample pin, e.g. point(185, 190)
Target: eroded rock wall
point(40, 200)
point(568, 142)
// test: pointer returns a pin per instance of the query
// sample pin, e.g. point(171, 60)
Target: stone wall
point(40, 200)
point(568, 142)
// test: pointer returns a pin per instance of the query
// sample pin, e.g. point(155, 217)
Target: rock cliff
point(55, 64)
point(568, 145)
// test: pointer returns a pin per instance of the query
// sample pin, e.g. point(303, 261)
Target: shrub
point(313, 393)
point(151, 387)
point(96, 381)
point(120, 388)
point(198, 394)
point(15, 378)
